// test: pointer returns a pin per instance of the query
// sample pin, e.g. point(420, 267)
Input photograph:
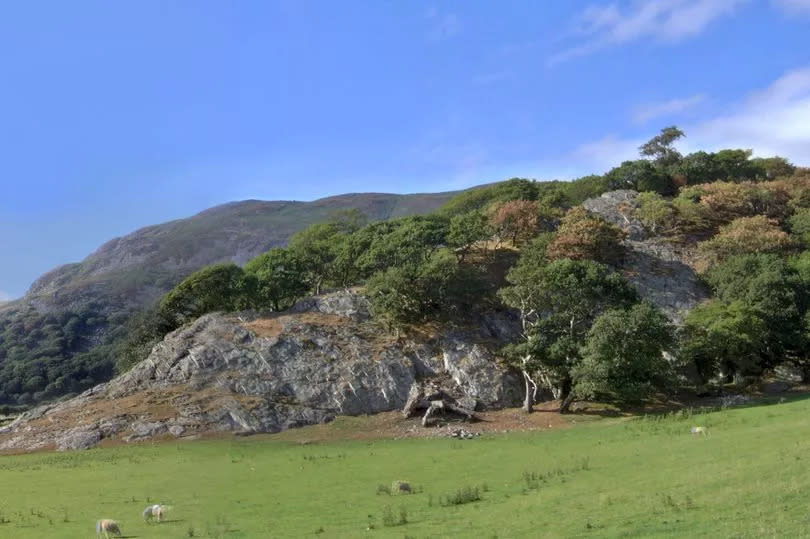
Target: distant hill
point(69, 310)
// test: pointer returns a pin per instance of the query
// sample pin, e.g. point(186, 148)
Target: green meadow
point(641, 477)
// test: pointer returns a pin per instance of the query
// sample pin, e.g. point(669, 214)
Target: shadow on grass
point(696, 404)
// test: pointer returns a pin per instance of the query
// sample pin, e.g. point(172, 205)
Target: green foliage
point(726, 165)
point(314, 251)
point(640, 175)
point(657, 214)
point(387, 244)
point(773, 167)
point(767, 288)
point(558, 303)
point(141, 333)
point(579, 190)
point(413, 292)
point(465, 230)
point(485, 197)
point(278, 279)
point(725, 338)
point(660, 147)
point(623, 354)
point(220, 287)
point(800, 226)
point(44, 355)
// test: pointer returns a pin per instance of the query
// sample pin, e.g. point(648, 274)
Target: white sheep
point(157, 511)
point(107, 526)
point(700, 430)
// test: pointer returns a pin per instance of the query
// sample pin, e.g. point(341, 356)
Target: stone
point(221, 373)
point(78, 438)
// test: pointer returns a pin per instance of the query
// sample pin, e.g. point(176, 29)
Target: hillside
point(266, 374)
point(69, 312)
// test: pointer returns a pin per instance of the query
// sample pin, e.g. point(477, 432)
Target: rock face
point(249, 374)
point(656, 267)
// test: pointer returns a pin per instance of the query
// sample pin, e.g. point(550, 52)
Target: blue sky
point(117, 115)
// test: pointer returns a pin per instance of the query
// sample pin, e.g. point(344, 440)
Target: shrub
point(582, 235)
point(745, 235)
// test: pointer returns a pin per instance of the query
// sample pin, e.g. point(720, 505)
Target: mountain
point(46, 336)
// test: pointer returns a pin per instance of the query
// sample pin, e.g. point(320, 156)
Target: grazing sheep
point(700, 430)
point(157, 511)
point(107, 526)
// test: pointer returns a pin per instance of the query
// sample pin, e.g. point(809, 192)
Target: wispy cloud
point(771, 121)
point(653, 111)
point(793, 6)
point(667, 21)
point(442, 25)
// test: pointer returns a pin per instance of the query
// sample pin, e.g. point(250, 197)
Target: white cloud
point(442, 25)
point(652, 111)
point(667, 21)
point(772, 121)
point(4, 297)
point(793, 6)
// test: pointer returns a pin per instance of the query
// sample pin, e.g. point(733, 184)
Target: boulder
point(79, 438)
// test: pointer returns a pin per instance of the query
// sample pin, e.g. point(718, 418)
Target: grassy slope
point(606, 479)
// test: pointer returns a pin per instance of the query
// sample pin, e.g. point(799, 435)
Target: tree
point(655, 213)
point(420, 290)
point(800, 226)
point(774, 167)
point(746, 235)
point(466, 230)
point(724, 338)
point(220, 287)
point(410, 240)
point(660, 147)
point(623, 355)
point(640, 175)
point(482, 198)
point(517, 220)
point(582, 235)
point(558, 303)
point(768, 286)
point(315, 249)
point(279, 279)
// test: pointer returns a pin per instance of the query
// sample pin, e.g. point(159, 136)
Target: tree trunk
point(527, 401)
point(566, 403)
point(531, 393)
point(567, 395)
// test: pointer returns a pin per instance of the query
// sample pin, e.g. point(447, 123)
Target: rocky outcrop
point(247, 374)
point(657, 267)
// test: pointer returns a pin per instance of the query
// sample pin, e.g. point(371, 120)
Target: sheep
point(107, 526)
point(700, 430)
point(157, 510)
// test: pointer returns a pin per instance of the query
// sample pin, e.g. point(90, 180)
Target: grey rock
point(225, 373)
point(617, 207)
point(656, 267)
point(79, 438)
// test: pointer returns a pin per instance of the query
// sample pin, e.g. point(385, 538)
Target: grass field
point(645, 477)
